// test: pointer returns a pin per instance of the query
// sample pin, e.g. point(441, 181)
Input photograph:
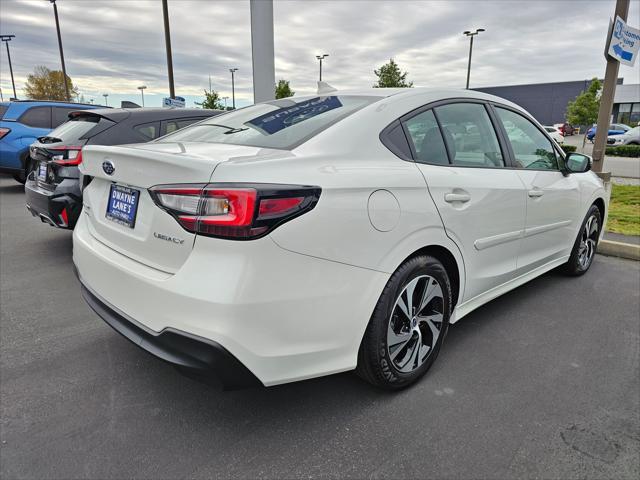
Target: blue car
point(21, 123)
point(614, 129)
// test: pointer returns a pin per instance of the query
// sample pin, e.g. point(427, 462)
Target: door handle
point(535, 193)
point(457, 197)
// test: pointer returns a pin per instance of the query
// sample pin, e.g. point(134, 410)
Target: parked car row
point(630, 137)
point(317, 234)
point(21, 123)
point(54, 187)
point(614, 129)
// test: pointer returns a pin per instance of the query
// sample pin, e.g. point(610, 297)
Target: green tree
point(584, 109)
point(390, 76)
point(212, 100)
point(283, 90)
point(45, 84)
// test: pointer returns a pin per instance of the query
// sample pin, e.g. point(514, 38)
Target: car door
point(553, 197)
point(481, 203)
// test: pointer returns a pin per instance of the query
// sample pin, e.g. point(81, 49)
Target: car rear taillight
point(4, 132)
point(234, 211)
point(69, 156)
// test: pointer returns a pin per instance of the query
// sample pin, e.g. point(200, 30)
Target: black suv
point(52, 189)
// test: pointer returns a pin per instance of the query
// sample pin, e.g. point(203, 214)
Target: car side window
point(148, 131)
point(470, 136)
point(426, 138)
point(60, 115)
point(531, 148)
point(173, 125)
point(37, 117)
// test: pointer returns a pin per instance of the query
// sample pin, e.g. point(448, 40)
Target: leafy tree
point(45, 84)
point(390, 76)
point(212, 100)
point(283, 90)
point(584, 109)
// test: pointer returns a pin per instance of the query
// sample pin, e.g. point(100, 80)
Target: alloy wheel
point(588, 241)
point(415, 323)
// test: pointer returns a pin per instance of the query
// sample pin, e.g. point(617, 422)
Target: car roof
point(427, 94)
point(15, 108)
point(147, 114)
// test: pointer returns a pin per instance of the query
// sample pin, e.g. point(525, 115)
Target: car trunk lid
point(122, 214)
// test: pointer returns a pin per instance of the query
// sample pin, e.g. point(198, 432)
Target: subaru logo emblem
point(108, 167)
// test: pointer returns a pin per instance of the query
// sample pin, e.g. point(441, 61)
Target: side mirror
point(577, 163)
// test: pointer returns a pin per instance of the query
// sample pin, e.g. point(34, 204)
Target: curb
point(619, 249)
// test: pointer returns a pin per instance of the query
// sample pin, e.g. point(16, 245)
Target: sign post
point(616, 50)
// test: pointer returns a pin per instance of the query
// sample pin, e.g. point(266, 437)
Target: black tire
point(375, 364)
point(576, 264)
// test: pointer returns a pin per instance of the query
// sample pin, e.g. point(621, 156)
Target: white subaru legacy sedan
point(344, 230)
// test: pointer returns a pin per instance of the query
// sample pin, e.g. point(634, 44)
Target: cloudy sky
point(113, 46)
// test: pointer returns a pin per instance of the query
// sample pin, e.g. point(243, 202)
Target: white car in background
point(555, 133)
point(630, 137)
point(312, 235)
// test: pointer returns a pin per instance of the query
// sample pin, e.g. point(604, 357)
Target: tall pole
point(471, 35)
point(233, 87)
point(608, 92)
point(167, 40)
point(320, 58)
point(141, 88)
point(106, 102)
point(262, 50)
point(469, 64)
point(64, 69)
point(6, 39)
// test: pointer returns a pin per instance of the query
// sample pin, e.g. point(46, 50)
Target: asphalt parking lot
point(541, 383)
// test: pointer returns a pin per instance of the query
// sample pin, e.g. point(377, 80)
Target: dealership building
point(547, 102)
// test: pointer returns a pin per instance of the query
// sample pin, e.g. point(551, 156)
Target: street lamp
point(6, 39)
point(106, 102)
point(141, 88)
point(167, 43)
point(233, 87)
point(225, 102)
point(320, 58)
point(471, 35)
point(64, 70)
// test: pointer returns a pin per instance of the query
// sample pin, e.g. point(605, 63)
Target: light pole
point(6, 39)
point(167, 41)
point(233, 87)
point(320, 58)
point(64, 70)
point(471, 35)
point(106, 102)
point(141, 88)
point(225, 102)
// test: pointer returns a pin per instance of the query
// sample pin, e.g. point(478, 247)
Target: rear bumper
point(60, 207)
point(284, 316)
point(197, 357)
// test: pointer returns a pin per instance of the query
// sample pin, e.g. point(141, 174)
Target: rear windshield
point(282, 124)
point(74, 129)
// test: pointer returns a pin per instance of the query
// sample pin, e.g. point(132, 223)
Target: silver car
point(630, 137)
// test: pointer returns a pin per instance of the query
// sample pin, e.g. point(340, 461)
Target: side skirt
point(470, 305)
